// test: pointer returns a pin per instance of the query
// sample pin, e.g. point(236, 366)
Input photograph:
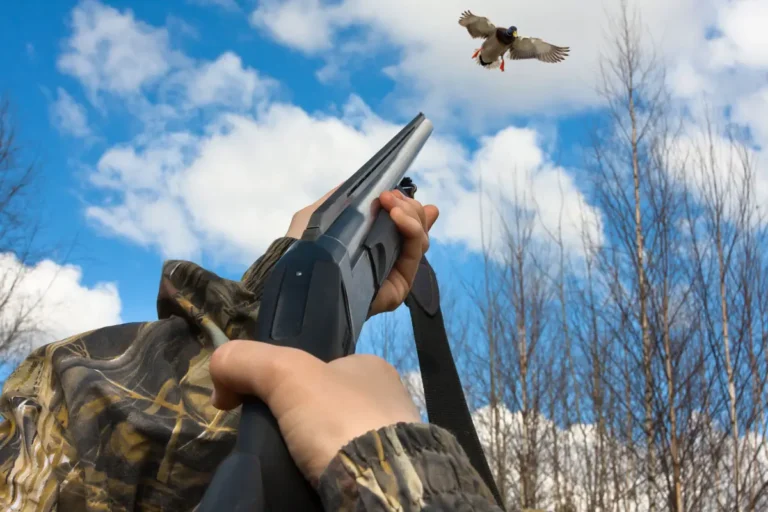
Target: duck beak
point(514, 34)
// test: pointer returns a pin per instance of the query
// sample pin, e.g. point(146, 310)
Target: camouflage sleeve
point(404, 467)
point(254, 278)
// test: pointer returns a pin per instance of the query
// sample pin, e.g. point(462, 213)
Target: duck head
point(512, 31)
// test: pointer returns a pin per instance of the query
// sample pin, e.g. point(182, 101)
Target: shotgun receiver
point(316, 299)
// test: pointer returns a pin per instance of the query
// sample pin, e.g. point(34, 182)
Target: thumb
point(432, 213)
point(241, 367)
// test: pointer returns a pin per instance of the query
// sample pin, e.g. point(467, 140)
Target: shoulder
point(414, 465)
point(119, 398)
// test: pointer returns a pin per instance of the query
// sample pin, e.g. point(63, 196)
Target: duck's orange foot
point(474, 55)
point(502, 64)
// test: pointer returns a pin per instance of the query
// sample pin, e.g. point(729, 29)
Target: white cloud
point(185, 193)
point(752, 110)
point(161, 222)
point(714, 163)
point(300, 24)
point(434, 71)
point(415, 387)
point(729, 71)
point(239, 188)
point(159, 161)
point(578, 447)
point(688, 82)
point(69, 116)
point(112, 51)
point(744, 40)
point(225, 82)
point(53, 301)
point(511, 168)
point(152, 212)
point(233, 190)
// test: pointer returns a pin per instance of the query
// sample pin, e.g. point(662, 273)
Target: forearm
point(404, 467)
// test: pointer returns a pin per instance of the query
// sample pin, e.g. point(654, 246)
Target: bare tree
point(489, 300)
point(528, 294)
point(631, 83)
point(19, 229)
point(564, 396)
point(727, 226)
point(633, 375)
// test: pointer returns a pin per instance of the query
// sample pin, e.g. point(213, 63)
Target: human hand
point(412, 220)
point(319, 406)
point(300, 219)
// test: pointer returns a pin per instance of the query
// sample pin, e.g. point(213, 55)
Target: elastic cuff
point(410, 463)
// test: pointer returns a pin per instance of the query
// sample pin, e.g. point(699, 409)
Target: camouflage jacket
point(120, 418)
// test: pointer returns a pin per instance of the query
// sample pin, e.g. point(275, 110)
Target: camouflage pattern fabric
point(404, 468)
point(120, 418)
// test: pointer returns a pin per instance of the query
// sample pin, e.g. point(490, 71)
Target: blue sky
point(34, 34)
point(193, 129)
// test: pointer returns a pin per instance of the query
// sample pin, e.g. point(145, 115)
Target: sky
point(193, 129)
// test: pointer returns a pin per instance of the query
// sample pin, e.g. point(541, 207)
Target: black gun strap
point(443, 393)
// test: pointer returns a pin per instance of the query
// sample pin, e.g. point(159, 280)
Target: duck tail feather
point(492, 65)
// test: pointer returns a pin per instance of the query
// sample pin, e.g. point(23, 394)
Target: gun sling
point(443, 393)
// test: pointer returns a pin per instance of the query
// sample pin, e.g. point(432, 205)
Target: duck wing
point(535, 48)
point(477, 26)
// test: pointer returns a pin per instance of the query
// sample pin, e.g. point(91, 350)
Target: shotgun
point(316, 299)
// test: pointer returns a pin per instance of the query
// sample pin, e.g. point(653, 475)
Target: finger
point(432, 213)
point(411, 207)
point(418, 209)
point(427, 214)
point(393, 198)
point(253, 368)
point(415, 244)
point(224, 399)
point(391, 294)
point(407, 223)
point(390, 198)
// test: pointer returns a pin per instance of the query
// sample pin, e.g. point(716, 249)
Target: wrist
point(293, 234)
point(297, 226)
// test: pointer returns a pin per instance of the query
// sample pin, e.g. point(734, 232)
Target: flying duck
point(499, 40)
